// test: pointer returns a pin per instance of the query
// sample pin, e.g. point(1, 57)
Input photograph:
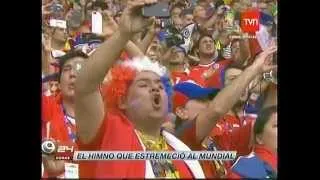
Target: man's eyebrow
point(158, 81)
point(143, 79)
point(233, 76)
point(148, 80)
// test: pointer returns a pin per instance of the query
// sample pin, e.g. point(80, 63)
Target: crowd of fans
point(114, 79)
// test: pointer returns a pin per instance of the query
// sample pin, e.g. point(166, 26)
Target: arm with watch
point(230, 94)
point(271, 98)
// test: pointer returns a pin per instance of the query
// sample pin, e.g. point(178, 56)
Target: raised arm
point(89, 106)
point(228, 96)
point(47, 48)
point(213, 19)
point(110, 27)
point(146, 41)
point(133, 50)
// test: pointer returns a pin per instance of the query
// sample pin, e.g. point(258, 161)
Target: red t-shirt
point(214, 81)
point(237, 139)
point(178, 76)
point(117, 134)
point(231, 133)
point(52, 113)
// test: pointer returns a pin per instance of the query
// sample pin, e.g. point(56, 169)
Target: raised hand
point(109, 24)
point(132, 20)
point(47, 40)
point(263, 61)
point(155, 27)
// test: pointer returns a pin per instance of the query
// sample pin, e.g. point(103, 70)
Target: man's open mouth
point(156, 101)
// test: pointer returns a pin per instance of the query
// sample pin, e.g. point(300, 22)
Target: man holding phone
point(112, 128)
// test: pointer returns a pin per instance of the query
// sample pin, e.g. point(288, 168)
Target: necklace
point(161, 168)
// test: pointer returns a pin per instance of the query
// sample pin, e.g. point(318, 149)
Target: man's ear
point(123, 103)
point(181, 113)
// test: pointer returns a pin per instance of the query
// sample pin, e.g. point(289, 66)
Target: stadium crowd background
point(204, 50)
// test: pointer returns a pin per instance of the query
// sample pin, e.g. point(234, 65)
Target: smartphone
point(96, 21)
point(58, 23)
point(160, 9)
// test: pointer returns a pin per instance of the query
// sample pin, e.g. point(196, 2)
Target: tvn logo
point(250, 21)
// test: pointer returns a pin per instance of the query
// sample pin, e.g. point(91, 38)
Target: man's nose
point(155, 88)
point(73, 73)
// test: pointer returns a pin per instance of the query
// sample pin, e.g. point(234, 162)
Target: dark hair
point(100, 4)
point(187, 11)
point(263, 117)
point(202, 35)
point(69, 55)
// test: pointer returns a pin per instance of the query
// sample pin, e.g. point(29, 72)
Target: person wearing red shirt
point(132, 112)
point(207, 72)
point(233, 131)
point(58, 121)
point(177, 65)
point(262, 162)
point(188, 100)
point(202, 115)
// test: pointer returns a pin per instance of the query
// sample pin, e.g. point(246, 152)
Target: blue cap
point(194, 91)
